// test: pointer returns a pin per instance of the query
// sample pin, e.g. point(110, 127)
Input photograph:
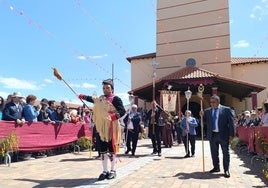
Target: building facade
point(193, 48)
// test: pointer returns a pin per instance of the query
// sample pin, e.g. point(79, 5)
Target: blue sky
point(84, 39)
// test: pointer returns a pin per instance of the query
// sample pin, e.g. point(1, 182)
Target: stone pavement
point(143, 171)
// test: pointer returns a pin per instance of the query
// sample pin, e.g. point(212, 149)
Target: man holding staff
point(107, 110)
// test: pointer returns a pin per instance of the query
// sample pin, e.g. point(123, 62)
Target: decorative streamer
point(106, 33)
point(260, 46)
point(47, 32)
point(166, 39)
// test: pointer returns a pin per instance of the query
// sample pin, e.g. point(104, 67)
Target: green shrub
point(84, 143)
point(235, 143)
point(10, 143)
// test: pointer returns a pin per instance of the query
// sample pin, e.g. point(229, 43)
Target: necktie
point(214, 117)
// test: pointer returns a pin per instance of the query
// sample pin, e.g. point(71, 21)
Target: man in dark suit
point(13, 109)
point(132, 129)
point(220, 129)
point(155, 127)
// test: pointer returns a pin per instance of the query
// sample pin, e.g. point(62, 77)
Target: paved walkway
point(143, 171)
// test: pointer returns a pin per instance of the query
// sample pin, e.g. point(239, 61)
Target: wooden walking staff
point(153, 108)
point(200, 93)
point(57, 75)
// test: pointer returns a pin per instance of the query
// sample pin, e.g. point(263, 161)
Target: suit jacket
point(192, 125)
point(12, 112)
point(136, 119)
point(225, 122)
point(158, 119)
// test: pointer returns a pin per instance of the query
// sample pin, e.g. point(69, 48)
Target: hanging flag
point(169, 100)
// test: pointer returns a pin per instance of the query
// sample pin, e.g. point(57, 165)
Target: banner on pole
point(169, 100)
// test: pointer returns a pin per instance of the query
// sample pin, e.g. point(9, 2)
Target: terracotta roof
point(193, 76)
point(188, 73)
point(246, 60)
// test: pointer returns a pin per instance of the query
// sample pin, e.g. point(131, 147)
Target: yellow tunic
point(102, 112)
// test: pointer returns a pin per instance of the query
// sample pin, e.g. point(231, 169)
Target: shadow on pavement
point(175, 157)
point(77, 160)
point(253, 163)
point(61, 182)
point(198, 175)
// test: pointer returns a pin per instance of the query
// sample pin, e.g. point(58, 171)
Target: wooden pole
point(200, 91)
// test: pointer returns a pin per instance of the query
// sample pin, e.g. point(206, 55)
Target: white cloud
point(14, 83)
point(48, 80)
point(241, 44)
point(83, 85)
point(82, 57)
point(87, 85)
point(75, 85)
point(259, 11)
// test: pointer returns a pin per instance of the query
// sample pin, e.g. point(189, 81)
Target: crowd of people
point(20, 109)
point(109, 117)
point(257, 117)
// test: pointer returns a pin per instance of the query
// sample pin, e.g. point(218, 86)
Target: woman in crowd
point(30, 112)
point(264, 118)
point(43, 114)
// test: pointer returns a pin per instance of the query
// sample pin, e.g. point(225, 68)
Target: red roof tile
point(189, 72)
point(246, 60)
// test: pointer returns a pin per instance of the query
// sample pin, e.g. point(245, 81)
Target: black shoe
point(159, 154)
point(103, 176)
point(127, 151)
point(154, 153)
point(111, 175)
point(192, 155)
point(227, 174)
point(186, 156)
point(214, 170)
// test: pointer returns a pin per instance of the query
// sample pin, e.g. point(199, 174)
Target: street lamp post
point(131, 98)
point(188, 95)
